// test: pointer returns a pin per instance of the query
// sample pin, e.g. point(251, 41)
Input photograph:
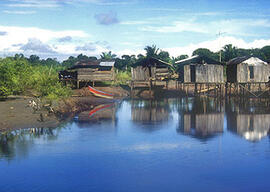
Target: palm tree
point(151, 51)
point(107, 55)
point(230, 52)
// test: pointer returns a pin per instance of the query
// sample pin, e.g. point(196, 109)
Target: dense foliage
point(20, 75)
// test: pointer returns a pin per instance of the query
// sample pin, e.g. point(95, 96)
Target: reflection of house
point(150, 112)
point(202, 125)
point(201, 117)
point(252, 127)
point(100, 114)
point(247, 69)
point(200, 69)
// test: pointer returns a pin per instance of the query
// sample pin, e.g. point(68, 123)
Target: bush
point(122, 78)
point(17, 76)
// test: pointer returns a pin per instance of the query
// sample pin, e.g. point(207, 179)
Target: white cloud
point(21, 35)
point(134, 22)
point(217, 44)
point(232, 26)
point(59, 3)
point(33, 3)
point(20, 12)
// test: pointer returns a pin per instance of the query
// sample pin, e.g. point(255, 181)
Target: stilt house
point(200, 69)
point(150, 69)
point(90, 71)
point(247, 69)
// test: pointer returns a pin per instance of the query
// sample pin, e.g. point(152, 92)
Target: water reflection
point(150, 111)
point(19, 142)
point(201, 118)
point(100, 115)
point(248, 118)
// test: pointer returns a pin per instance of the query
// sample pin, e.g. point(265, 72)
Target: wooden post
point(78, 84)
point(195, 89)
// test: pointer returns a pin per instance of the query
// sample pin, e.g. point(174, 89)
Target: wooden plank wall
point(261, 73)
point(205, 73)
point(187, 75)
point(140, 73)
point(89, 74)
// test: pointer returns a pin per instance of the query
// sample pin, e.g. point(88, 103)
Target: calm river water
point(185, 144)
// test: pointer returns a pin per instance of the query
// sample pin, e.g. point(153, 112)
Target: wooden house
point(200, 69)
point(90, 71)
point(150, 69)
point(247, 69)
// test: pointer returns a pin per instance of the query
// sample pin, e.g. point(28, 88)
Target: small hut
point(200, 69)
point(86, 71)
point(150, 69)
point(247, 69)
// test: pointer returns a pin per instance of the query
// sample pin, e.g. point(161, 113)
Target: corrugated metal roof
point(246, 60)
point(196, 59)
point(107, 63)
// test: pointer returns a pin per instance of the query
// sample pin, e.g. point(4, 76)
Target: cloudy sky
point(59, 28)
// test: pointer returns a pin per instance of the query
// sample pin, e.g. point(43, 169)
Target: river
point(184, 144)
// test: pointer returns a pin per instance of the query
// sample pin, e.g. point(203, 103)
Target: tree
point(178, 58)
point(164, 56)
point(265, 51)
point(230, 52)
point(205, 53)
point(34, 59)
point(107, 55)
point(151, 51)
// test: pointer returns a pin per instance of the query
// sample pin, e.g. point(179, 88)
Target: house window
point(251, 72)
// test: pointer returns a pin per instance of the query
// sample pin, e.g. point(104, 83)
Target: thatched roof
point(198, 60)
point(246, 60)
point(93, 64)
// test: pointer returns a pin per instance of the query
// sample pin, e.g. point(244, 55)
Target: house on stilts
point(89, 71)
point(149, 72)
point(200, 69)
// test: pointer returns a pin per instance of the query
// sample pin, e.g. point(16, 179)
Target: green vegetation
point(122, 78)
point(19, 75)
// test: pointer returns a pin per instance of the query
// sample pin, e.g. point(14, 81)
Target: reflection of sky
point(102, 158)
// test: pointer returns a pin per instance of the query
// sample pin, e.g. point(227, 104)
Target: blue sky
point(59, 28)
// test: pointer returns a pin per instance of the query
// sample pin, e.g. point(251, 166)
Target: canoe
point(98, 93)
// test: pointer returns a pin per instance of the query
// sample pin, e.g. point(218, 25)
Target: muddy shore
point(15, 112)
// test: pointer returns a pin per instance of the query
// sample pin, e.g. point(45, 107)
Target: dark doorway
point(192, 73)
point(251, 72)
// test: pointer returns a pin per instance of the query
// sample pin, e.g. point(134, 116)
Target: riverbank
point(16, 113)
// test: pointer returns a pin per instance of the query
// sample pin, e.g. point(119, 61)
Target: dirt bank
point(16, 113)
